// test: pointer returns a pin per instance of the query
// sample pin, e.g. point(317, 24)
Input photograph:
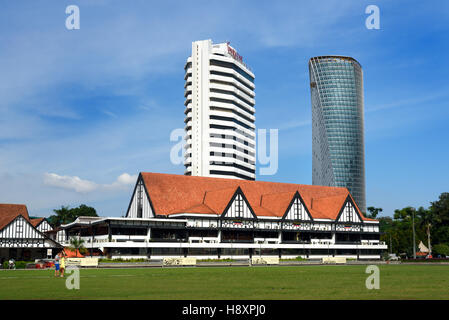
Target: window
point(348, 213)
point(239, 206)
point(19, 228)
point(297, 210)
point(139, 201)
point(139, 211)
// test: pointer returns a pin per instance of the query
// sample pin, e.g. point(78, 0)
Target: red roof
point(170, 194)
point(35, 222)
point(276, 202)
point(8, 212)
point(72, 254)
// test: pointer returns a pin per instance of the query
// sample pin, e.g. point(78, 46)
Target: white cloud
point(79, 185)
point(68, 182)
point(126, 179)
point(109, 113)
point(122, 181)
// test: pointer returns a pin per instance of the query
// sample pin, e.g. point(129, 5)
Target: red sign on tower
point(234, 54)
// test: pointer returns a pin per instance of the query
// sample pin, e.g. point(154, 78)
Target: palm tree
point(76, 244)
point(426, 221)
point(63, 216)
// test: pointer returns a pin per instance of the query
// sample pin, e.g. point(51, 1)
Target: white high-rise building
point(220, 129)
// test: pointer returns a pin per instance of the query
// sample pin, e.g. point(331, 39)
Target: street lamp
point(428, 238)
point(414, 242)
point(92, 239)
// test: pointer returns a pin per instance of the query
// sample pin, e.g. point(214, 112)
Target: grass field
point(299, 282)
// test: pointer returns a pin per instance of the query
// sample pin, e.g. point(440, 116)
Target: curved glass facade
point(336, 85)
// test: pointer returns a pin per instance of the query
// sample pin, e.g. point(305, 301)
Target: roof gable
point(297, 200)
point(27, 230)
point(150, 209)
point(8, 212)
point(353, 214)
point(239, 207)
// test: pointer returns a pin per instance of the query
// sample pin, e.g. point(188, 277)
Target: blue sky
point(99, 103)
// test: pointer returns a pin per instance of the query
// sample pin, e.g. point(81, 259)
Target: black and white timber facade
point(21, 237)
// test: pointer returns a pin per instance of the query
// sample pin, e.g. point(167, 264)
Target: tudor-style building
point(22, 237)
point(175, 215)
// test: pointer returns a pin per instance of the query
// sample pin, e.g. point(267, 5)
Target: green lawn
point(299, 282)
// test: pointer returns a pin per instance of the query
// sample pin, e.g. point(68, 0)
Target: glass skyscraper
point(336, 85)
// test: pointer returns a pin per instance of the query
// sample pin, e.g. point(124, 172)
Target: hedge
point(19, 264)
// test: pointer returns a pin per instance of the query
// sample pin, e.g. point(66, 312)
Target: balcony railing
point(296, 241)
point(167, 240)
point(236, 241)
point(348, 242)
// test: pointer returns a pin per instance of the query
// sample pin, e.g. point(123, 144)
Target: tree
point(83, 211)
point(66, 215)
point(431, 226)
point(441, 249)
point(76, 245)
point(63, 216)
point(403, 231)
point(440, 214)
point(373, 212)
point(386, 231)
point(425, 222)
point(403, 214)
point(441, 207)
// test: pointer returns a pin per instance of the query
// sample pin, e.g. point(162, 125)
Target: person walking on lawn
point(62, 267)
point(57, 265)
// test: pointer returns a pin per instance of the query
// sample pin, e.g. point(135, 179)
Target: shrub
point(216, 260)
point(19, 264)
point(298, 258)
